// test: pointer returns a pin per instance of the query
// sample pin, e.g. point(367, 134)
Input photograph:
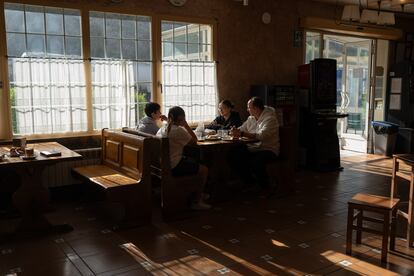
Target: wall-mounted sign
point(297, 38)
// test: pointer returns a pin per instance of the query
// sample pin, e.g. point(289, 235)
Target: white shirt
point(178, 137)
point(266, 129)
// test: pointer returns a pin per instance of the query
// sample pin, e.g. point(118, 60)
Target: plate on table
point(28, 157)
point(212, 138)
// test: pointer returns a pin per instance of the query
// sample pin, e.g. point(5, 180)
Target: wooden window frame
point(6, 132)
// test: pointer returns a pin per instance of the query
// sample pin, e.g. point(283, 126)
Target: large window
point(189, 71)
point(121, 68)
point(61, 81)
point(47, 86)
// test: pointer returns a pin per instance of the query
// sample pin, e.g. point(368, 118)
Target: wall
point(249, 52)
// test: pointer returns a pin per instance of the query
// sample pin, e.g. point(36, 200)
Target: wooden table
point(31, 198)
point(215, 154)
point(407, 160)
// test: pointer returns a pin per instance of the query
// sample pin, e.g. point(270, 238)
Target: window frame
point(6, 132)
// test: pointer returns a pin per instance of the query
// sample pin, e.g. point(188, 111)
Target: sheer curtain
point(191, 85)
point(114, 93)
point(47, 95)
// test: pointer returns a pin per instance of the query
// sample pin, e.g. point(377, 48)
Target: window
point(313, 46)
point(121, 68)
point(63, 82)
point(188, 69)
point(47, 86)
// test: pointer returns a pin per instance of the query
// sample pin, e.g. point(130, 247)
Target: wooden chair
point(176, 192)
point(385, 206)
point(124, 174)
point(281, 172)
point(397, 176)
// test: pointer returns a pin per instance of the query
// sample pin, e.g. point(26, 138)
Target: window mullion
point(86, 52)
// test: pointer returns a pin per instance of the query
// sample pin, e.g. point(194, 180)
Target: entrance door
point(353, 85)
point(356, 91)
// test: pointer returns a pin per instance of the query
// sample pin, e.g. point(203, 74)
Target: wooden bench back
point(287, 135)
point(127, 153)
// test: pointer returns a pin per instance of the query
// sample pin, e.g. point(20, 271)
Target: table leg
point(31, 199)
point(410, 221)
point(395, 168)
point(349, 230)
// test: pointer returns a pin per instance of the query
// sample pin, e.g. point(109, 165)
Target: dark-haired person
point(179, 135)
point(149, 124)
point(262, 125)
point(227, 118)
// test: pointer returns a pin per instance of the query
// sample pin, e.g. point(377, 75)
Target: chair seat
point(374, 201)
point(105, 176)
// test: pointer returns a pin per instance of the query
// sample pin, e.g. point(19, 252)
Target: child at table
point(179, 135)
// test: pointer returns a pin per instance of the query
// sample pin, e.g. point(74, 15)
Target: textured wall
point(249, 52)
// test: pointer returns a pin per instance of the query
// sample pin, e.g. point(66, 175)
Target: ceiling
point(370, 4)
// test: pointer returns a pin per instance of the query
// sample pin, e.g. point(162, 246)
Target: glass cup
point(199, 135)
point(29, 151)
point(224, 134)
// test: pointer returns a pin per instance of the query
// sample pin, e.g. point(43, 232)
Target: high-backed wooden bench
point(281, 171)
point(176, 192)
point(124, 174)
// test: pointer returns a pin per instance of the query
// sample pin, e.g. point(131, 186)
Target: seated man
point(262, 125)
point(149, 124)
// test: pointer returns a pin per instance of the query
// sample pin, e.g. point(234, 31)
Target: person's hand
point(235, 132)
point(163, 118)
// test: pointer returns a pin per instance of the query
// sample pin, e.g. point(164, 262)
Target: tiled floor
point(294, 235)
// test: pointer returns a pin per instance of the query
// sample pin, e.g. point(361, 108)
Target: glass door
point(353, 77)
point(356, 88)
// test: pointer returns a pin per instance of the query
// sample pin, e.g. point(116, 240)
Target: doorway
point(355, 58)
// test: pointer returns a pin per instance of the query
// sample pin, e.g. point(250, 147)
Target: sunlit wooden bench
point(124, 174)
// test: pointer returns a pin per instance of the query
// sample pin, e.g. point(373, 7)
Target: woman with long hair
point(179, 135)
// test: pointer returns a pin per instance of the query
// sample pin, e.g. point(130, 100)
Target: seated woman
point(227, 119)
point(149, 124)
point(180, 134)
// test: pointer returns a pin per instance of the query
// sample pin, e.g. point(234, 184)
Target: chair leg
point(410, 220)
point(393, 229)
point(359, 225)
point(385, 237)
point(349, 230)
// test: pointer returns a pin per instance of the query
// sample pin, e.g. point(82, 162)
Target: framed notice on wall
point(395, 102)
point(297, 38)
point(395, 97)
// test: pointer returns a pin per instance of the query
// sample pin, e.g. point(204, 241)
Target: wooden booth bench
point(124, 174)
point(282, 171)
point(176, 192)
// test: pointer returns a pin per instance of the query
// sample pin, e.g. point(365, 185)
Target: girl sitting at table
point(179, 135)
point(227, 118)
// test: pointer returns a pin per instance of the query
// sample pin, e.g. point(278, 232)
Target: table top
point(66, 154)
point(408, 158)
point(243, 140)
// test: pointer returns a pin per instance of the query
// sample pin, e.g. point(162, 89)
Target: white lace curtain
point(47, 95)
point(191, 85)
point(114, 94)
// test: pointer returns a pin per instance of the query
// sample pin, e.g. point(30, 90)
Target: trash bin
point(385, 135)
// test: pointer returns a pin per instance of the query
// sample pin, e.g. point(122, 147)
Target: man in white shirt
point(262, 125)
